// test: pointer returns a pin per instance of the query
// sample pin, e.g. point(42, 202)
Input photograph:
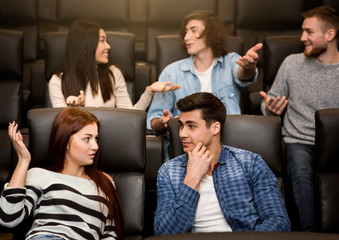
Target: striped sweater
point(61, 205)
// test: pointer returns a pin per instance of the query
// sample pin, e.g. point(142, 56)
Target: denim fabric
point(300, 170)
point(246, 189)
point(46, 237)
point(225, 84)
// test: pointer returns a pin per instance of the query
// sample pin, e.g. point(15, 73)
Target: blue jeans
point(300, 170)
point(46, 237)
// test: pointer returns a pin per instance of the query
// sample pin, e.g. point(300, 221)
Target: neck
point(204, 60)
point(75, 171)
point(215, 150)
point(331, 56)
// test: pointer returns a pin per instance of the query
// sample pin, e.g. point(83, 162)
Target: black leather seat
point(276, 49)
point(327, 169)
point(122, 155)
point(259, 134)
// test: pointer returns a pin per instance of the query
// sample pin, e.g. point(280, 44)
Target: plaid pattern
point(246, 188)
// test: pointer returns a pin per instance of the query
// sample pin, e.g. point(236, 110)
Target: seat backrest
point(112, 14)
point(170, 48)
point(121, 54)
point(267, 19)
point(10, 95)
point(327, 168)
point(276, 49)
point(122, 155)
point(22, 16)
point(258, 134)
point(165, 17)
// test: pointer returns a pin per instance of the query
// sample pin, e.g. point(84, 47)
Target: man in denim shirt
point(209, 69)
point(214, 187)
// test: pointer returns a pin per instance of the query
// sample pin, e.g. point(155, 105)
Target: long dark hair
point(81, 67)
point(214, 31)
point(68, 122)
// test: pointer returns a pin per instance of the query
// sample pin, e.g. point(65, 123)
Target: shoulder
point(240, 156)
point(178, 65)
point(174, 165)
point(55, 79)
point(295, 58)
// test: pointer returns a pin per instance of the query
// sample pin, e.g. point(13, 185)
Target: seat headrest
point(122, 137)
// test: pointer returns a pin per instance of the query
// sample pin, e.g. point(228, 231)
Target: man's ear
point(216, 128)
point(331, 34)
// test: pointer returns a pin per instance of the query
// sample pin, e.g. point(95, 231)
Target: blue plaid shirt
point(246, 189)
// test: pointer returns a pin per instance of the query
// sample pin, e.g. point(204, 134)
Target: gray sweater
point(308, 85)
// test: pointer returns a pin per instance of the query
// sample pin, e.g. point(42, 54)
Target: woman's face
point(82, 147)
point(101, 54)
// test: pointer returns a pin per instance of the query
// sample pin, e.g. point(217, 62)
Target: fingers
point(263, 94)
point(257, 47)
point(250, 58)
point(277, 105)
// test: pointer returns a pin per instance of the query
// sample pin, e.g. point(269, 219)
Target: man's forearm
point(246, 74)
point(157, 125)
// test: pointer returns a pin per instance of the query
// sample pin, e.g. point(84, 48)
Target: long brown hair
point(214, 31)
point(80, 67)
point(68, 122)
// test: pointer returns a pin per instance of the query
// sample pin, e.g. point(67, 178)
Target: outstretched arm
point(274, 105)
point(160, 124)
point(248, 63)
point(162, 87)
point(18, 179)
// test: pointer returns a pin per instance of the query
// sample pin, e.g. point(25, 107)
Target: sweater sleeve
point(55, 92)
point(279, 86)
point(16, 204)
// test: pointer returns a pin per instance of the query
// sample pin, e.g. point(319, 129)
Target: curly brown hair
point(214, 32)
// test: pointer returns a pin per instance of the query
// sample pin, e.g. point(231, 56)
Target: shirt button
point(232, 95)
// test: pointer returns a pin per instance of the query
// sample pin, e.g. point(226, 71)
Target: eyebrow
point(188, 122)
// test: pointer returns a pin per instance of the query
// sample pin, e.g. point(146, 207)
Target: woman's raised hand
point(18, 143)
point(163, 87)
point(76, 101)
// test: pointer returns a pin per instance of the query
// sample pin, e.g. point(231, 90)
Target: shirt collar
point(189, 64)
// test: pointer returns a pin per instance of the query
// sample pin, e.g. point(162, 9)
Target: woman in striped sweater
point(72, 198)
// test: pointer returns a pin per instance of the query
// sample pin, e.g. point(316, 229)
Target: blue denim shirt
point(246, 188)
point(225, 84)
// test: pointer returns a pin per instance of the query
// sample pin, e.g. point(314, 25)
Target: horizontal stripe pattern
point(61, 204)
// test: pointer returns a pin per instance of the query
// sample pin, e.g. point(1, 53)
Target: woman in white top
point(71, 198)
point(87, 78)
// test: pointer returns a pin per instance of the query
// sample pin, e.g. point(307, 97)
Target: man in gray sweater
point(305, 83)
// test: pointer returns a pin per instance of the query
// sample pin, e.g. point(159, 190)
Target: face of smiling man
point(314, 37)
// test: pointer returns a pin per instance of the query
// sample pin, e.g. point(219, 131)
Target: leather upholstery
point(112, 14)
point(23, 16)
point(259, 134)
point(327, 168)
point(121, 54)
point(247, 236)
point(170, 48)
point(275, 50)
point(122, 155)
